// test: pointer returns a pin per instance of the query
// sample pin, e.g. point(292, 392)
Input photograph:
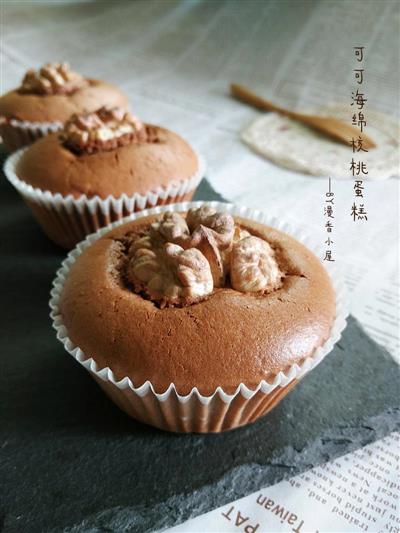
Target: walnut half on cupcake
point(101, 167)
point(47, 98)
point(196, 321)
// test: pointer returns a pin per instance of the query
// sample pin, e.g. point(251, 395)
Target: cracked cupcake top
point(180, 261)
point(52, 78)
point(104, 130)
point(127, 299)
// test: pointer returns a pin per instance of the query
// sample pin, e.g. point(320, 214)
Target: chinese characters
point(358, 167)
point(329, 221)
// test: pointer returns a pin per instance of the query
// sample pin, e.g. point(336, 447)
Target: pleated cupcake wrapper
point(195, 412)
point(18, 133)
point(67, 220)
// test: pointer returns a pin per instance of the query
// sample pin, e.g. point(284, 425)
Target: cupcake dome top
point(55, 92)
point(108, 152)
point(240, 328)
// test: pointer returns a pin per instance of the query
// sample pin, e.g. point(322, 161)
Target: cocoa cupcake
point(101, 167)
point(47, 98)
point(200, 319)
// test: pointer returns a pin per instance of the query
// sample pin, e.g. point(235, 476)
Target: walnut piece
point(172, 227)
point(221, 224)
point(170, 274)
point(253, 266)
point(105, 129)
point(192, 270)
point(207, 244)
point(52, 78)
point(239, 234)
point(180, 261)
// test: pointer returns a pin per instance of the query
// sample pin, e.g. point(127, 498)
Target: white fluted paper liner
point(67, 220)
point(194, 411)
point(18, 133)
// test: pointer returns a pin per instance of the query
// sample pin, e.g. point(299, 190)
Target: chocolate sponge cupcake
point(101, 167)
point(199, 319)
point(47, 98)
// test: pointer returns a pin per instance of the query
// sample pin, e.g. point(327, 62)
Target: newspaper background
point(358, 492)
point(176, 60)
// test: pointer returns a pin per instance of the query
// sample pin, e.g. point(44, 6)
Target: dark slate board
point(70, 460)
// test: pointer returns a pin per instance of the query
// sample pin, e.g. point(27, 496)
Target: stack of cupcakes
point(191, 317)
point(47, 98)
point(100, 164)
